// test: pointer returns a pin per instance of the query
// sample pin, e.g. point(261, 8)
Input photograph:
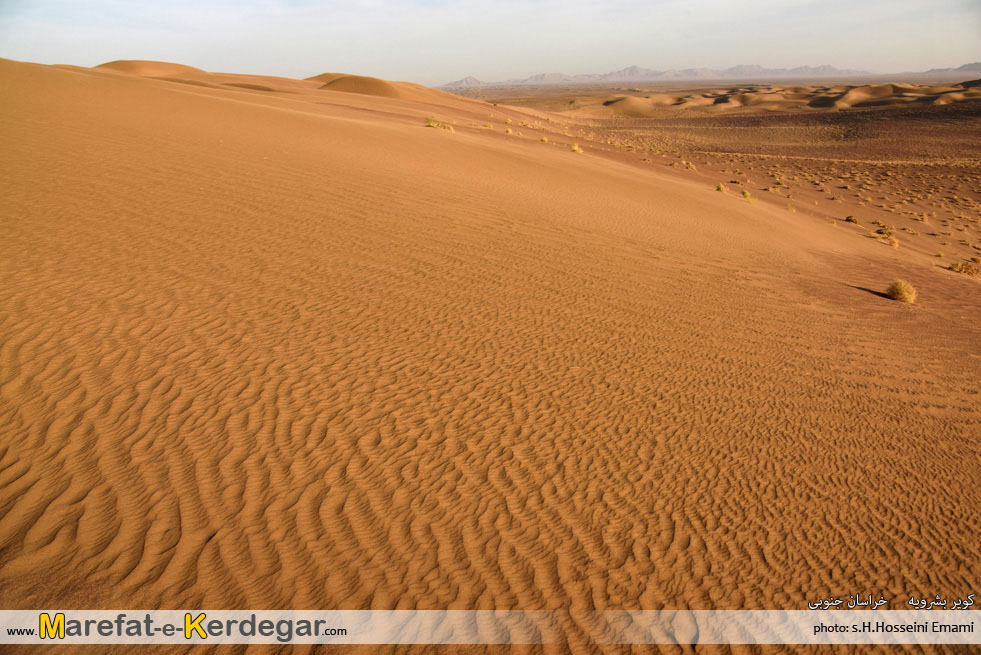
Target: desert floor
point(275, 343)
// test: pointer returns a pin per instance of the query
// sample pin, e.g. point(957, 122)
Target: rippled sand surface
point(271, 345)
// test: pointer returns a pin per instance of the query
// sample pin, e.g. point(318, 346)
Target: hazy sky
point(435, 41)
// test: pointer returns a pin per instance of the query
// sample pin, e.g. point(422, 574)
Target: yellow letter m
point(49, 630)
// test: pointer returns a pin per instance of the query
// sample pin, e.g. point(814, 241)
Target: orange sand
point(273, 343)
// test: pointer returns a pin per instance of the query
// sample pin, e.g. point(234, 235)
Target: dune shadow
point(253, 87)
point(872, 291)
point(824, 101)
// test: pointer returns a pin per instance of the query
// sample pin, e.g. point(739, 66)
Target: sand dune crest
point(148, 68)
point(364, 85)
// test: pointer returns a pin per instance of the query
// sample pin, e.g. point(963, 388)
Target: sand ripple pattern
point(260, 364)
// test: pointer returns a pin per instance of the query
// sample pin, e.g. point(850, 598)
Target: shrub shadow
point(874, 293)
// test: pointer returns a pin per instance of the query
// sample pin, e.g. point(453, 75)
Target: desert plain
point(346, 343)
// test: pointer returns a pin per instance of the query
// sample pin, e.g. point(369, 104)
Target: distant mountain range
point(742, 72)
point(966, 68)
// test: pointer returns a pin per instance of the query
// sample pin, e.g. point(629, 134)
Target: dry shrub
point(432, 122)
point(967, 268)
point(902, 291)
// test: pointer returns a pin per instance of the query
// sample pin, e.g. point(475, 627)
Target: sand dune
point(270, 350)
point(356, 84)
point(148, 68)
point(629, 106)
point(188, 75)
point(365, 85)
point(864, 95)
point(323, 78)
point(663, 99)
point(776, 98)
point(373, 86)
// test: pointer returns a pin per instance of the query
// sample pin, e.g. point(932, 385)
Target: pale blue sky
point(435, 41)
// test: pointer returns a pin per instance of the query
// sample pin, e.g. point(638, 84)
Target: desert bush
point(967, 268)
point(576, 148)
point(902, 291)
point(721, 187)
point(432, 122)
point(544, 139)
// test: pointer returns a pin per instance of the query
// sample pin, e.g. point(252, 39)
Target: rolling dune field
point(273, 343)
